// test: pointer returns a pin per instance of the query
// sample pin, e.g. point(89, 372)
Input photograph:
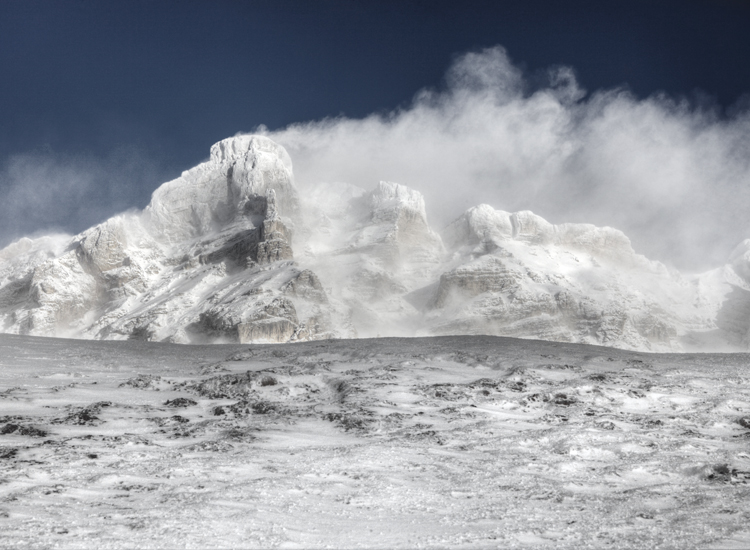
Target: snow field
point(456, 441)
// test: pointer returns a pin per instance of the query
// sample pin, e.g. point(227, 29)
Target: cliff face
point(229, 252)
point(207, 260)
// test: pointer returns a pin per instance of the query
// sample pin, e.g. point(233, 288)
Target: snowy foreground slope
point(463, 441)
point(231, 252)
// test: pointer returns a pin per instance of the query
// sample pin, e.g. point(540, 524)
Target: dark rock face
point(264, 243)
point(306, 285)
point(491, 275)
point(273, 250)
point(277, 322)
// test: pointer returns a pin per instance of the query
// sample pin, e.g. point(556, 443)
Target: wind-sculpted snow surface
point(230, 252)
point(472, 442)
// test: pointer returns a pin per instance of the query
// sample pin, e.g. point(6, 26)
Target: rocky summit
point(230, 252)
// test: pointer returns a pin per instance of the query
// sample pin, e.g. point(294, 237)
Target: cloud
point(673, 176)
point(47, 193)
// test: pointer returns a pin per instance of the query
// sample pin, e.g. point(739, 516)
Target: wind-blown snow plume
point(674, 177)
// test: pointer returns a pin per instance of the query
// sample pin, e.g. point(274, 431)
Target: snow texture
point(230, 252)
point(471, 442)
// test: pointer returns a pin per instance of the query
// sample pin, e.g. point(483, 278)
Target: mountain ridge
point(230, 252)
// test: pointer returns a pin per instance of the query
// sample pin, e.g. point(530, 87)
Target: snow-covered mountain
point(229, 252)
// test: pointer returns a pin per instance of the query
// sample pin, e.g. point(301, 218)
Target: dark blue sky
point(165, 80)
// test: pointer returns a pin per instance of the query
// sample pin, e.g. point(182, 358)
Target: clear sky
point(136, 91)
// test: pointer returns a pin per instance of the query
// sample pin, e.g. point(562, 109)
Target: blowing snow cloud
point(672, 176)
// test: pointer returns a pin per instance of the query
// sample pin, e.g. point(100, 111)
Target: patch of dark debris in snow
point(180, 402)
point(212, 368)
point(351, 421)
point(84, 415)
point(10, 393)
point(8, 452)
point(245, 355)
point(556, 366)
point(717, 473)
point(240, 433)
point(215, 446)
point(22, 429)
point(605, 425)
point(143, 382)
point(225, 386)
point(268, 381)
point(341, 389)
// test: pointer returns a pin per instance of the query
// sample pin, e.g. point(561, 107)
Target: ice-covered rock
point(384, 250)
point(17, 264)
point(480, 224)
point(516, 274)
point(208, 260)
point(232, 184)
point(739, 259)
point(490, 228)
point(391, 222)
point(393, 202)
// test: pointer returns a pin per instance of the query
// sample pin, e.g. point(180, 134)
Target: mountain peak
point(248, 146)
point(389, 199)
point(228, 188)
